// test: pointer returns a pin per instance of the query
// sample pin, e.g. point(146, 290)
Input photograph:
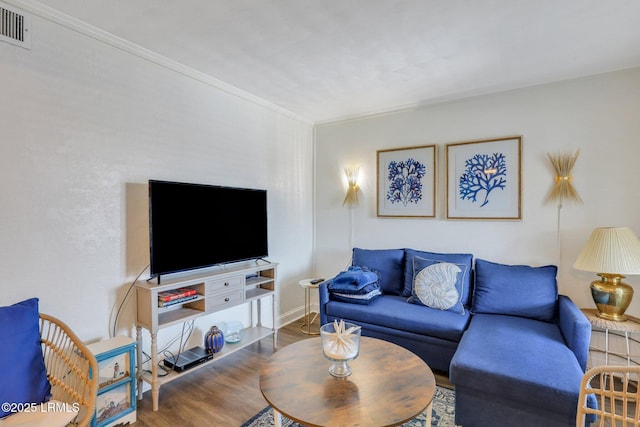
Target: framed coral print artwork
point(407, 182)
point(484, 179)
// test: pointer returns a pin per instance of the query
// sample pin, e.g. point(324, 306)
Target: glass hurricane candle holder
point(340, 344)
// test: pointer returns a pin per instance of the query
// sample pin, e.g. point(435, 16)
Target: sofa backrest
point(395, 267)
point(515, 290)
point(388, 263)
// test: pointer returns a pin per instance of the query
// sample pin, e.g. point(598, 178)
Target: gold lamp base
point(612, 296)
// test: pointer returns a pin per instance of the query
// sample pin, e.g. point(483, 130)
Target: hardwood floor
point(225, 393)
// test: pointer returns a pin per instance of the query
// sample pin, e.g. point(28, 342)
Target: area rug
point(442, 415)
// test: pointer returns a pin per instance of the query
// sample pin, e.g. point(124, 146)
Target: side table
point(631, 325)
point(307, 285)
point(116, 401)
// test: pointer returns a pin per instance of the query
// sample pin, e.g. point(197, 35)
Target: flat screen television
point(195, 226)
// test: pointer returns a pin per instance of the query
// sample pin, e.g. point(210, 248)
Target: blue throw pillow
point(388, 263)
point(22, 371)
point(515, 290)
point(438, 284)
point(466, 259)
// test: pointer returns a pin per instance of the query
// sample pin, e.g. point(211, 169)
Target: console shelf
point(258, 280)
point(249, 336)
point(256, 293)
point(177, 315)
point(188, 297)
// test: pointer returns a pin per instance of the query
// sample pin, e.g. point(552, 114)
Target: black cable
point(190, 331)
point(126, 296)
point(183, 343)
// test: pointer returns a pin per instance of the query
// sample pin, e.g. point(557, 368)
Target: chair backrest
point(72, 370)
point(609, 397)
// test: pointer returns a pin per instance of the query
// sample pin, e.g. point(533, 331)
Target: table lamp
point(611, 252)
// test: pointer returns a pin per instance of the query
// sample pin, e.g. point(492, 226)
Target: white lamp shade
point(611, 250)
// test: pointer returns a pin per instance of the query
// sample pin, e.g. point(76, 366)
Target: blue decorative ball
point(214, 340)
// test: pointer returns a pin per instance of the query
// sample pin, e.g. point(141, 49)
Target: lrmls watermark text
point(51, 406)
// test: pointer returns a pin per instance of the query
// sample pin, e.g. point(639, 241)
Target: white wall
point(599, 115)
point(84, 126)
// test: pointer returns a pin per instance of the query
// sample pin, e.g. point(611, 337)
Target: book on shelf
point(175, 294)
point(162, 304)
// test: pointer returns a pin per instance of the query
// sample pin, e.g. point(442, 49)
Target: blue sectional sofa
point(514, 349)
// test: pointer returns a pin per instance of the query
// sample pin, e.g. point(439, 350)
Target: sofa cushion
point(388, 263)
point(394, 312)
point(438, 284)
point(24, 377)
point(516, 290)
point(525, 359)
point(465, 259)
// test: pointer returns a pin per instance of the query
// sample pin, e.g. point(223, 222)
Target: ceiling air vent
point(15, 26)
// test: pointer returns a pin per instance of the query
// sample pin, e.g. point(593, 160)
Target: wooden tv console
point(230, 286)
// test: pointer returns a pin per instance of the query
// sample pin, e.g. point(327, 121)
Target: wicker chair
point(616, 391)
point(72, 371)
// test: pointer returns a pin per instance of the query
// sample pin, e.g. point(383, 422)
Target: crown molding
point(102, 36)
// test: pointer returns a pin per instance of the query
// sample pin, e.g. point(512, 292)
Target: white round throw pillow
point(435, 285)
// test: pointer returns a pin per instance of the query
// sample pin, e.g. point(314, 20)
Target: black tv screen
point(195, 226)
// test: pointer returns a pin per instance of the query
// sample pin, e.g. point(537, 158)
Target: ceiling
point(326, 60)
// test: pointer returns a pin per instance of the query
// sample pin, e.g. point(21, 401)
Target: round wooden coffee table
point(389, 386)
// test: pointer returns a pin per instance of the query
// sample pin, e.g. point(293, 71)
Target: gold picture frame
point(484, 179)
point(406, 182)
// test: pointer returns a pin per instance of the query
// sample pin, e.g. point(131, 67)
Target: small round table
point(389, 386)
point(307, 285)
point(631, 325)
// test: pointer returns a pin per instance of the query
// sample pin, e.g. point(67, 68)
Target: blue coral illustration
point(483, 174)
point(405, 181)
